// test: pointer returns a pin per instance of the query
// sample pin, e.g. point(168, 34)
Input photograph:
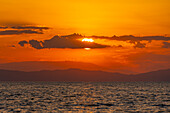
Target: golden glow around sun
point(87, 40)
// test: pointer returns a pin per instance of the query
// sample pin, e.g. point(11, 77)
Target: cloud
point(139, 45)
point(119, 46)
point(73, 36)
point(24, 27)
point(63, 42)
point(133, 38)
point(17, 32)
point(35, 44)
point(166, 45)
point(30, 27)
point(13, 46)
point(2, 27)
point(132, 41)
point(22, 43)
point(21, 29)
point(71, 41)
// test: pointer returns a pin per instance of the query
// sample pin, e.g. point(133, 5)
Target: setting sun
point(87, 49)
point(88, 40)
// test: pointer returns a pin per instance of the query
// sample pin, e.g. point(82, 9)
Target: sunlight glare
point(87, 49)
point(87, 40)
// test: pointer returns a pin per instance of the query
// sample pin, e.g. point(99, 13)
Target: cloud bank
point(15, 30)
point(62, 42)
point(30, 27)
point(24, 27)
point(166, 45)
point(140, 45)
point(71, 41)
point(133, 38)
point(22, 43)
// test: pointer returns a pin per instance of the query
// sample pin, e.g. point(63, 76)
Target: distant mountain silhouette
point(49, 65)
point(77, 75)
point(56, 65)
point(160, 75)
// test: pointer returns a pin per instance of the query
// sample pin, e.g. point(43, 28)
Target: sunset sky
point(126, 35)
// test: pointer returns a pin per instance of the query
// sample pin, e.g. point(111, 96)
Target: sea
point(84, 97)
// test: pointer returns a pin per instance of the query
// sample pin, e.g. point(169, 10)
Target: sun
point(87, 49)
point(87, 40)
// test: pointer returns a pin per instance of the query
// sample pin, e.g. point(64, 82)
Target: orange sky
point(97, 17)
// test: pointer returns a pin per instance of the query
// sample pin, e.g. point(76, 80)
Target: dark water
point(57, 97)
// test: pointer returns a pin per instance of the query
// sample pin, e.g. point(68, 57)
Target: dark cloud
point(70, 41)
point(136, 40)
point(17, 32)
point(119, 46)
point(1, 27)
point(132, 41)
point(22, 43)
point(22, 29)
point(147, 38)
point(133, 38)
point(137, 44)
point(30, 27)
point(35, 44)
point(140, 45)
point(166, 45)
point(63, 42)
point(73, 36)
point(13, 46)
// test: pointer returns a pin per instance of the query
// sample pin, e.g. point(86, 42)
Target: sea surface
point(51, 97)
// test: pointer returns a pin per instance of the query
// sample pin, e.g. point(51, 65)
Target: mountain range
point(77, 75)
point(59, 65)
